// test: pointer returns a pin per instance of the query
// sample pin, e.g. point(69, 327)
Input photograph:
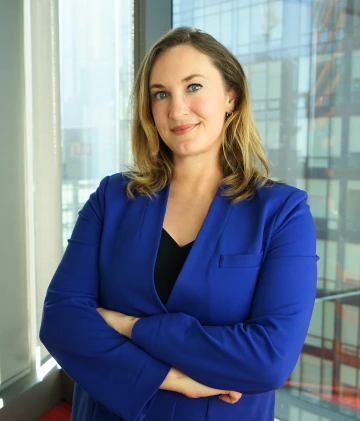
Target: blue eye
point(160, 95)
point(194, 87)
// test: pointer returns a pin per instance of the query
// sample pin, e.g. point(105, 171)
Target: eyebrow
point(186, 79)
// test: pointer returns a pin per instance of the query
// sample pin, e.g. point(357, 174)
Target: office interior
point(66, 73)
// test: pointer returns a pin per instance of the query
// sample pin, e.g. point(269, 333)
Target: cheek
point(160, 117)
point(158, 113)
point(208, 107)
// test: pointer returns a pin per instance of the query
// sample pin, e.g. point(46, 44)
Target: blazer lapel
point(150, 235)
point(201, 254)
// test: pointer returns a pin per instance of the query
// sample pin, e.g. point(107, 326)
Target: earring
point(227, 115)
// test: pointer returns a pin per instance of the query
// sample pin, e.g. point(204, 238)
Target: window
point(96, 59)
point(96, 74)
point(304, 105)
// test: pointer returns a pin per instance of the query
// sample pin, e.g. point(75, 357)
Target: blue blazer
point(236, 318)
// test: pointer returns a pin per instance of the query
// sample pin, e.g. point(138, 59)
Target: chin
point(190, 153)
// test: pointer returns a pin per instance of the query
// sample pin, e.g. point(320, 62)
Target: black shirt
point(169, 262)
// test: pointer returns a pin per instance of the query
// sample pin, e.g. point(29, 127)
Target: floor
point(61, 412)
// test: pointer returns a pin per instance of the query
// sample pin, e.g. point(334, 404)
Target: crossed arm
point(175, 381)
point(255, 356)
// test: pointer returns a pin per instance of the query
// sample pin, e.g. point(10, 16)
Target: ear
point(230, 104)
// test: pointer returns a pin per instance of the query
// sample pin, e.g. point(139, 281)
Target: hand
point(193, 389)
point(230, 397)
point(121, 322)
point(177, 381)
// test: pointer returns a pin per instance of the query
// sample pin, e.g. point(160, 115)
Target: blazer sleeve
point(115, 372)
point(257, 355)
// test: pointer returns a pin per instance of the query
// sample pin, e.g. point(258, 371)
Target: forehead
point(181, 61)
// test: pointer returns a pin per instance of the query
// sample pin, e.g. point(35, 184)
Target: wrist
point(175, 374)
point(127, 325)
point(172, 381)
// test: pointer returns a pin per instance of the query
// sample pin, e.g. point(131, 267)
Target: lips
point(184, 128)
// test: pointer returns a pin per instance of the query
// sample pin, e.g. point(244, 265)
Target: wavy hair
point(243, 159)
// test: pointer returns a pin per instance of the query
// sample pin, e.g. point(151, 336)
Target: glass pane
point(96, 60)
point(302, 60)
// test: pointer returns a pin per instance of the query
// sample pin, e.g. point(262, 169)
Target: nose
point(178, 107)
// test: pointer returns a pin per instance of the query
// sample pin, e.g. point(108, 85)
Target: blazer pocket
point(240, 260)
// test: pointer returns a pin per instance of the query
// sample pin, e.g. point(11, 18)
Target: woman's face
point(189, 102)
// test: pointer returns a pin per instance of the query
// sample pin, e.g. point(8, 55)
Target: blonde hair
point(243, 158)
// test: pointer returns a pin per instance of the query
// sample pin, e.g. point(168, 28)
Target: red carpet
point(61, 412)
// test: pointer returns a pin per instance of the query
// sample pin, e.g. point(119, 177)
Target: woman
point(193, 276)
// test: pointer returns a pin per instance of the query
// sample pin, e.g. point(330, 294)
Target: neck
point(197, 175)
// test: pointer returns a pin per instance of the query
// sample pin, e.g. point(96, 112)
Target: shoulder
point(118, 180)
point(285, 205)
point(279, 195)
point(114, 184)
point(278, 203)
point(111, 191)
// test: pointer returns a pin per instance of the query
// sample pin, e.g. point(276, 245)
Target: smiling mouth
point(186, 128)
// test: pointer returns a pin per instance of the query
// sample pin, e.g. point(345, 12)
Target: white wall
point(14, 352)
